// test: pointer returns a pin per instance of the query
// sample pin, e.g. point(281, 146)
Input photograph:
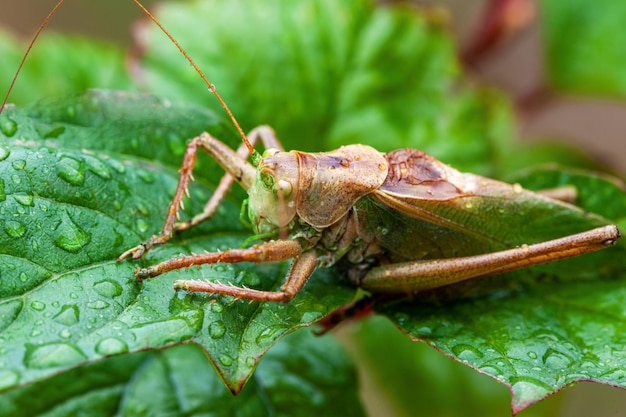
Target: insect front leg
point(268, 139)
point(411, 277)
point(301, 269)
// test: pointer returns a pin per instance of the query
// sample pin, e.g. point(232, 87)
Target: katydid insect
point(402, 222)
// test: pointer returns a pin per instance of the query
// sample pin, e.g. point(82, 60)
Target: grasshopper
point(354, 206)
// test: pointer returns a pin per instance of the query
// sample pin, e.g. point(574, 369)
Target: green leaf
point(69, 212)
point(180, 381)
point(326, 73)
point(60, 64)
point(584, 46)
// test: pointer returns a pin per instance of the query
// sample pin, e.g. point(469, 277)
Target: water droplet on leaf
point(108, 288)
point(142, 226)
point(24, 199)
point(69, 236)
point(98, 305)
point(111, 346)
point(38, 305)
point(226, 360)
point(217, 329)
point(8, 128)
point(68, 316)
point(8, 379)
point(52, 355)
point(217, 307)
point(14, 229)
point(18, 164)
point(70, 170)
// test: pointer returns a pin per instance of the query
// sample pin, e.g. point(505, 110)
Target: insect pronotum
point(353, 205)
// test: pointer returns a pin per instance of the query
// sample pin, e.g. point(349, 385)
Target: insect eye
point(268, 180)
point(284, 186)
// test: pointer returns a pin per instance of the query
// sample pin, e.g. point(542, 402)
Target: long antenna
point(199, 71)
point(30, 46)
point(174, 41)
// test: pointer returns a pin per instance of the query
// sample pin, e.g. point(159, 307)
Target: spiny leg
point(301, 269)
point(269, 140)
point(411, 277)
point(235, 165)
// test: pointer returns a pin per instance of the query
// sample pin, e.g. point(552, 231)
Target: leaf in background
point(325, 73)
point(180, 381)
point(408, 373)
point(60, 64)
point(86, 177)
point(585, 47)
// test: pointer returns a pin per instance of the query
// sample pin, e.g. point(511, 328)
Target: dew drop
point(24, 199)
point(217, 307)
point(117, 206)
point(23, 277)
point(4, 153)
point(97, 167)
point(111, 346)
point(532, 355)
point(266, 334)
point(35, 333)
point(70, 237)
point(18, 164)
point(8, 128)
point(250, 362)
point(52, 355)
point(16, 179)
point(14, 229)
point(70, 170)
point(226, 360)
point(98, 305)
point(108, 288)
point(37, 305)
point(145, 176)
point(65, 334)
point(249, 279)
point(466, 352)
point(8, 379)
point(217, 329)
point(142, 225)
point(68, 316)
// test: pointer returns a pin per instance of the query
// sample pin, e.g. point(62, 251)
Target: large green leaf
point(584, 45)
point(180, 381)
point(69, 212)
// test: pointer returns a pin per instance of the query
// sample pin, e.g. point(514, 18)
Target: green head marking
point(255, 158)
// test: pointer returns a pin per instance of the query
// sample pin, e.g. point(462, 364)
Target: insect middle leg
point(236, 167)
point(301, 269)
point(411, 277)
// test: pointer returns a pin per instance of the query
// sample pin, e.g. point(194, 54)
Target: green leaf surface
point(69, 212)
point(180, 381)
point(584, 46)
